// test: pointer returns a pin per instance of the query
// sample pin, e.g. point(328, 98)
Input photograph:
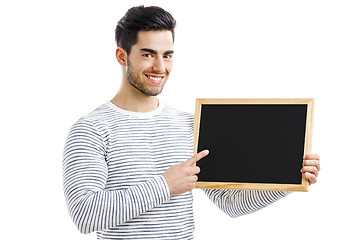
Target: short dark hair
point(142, 18)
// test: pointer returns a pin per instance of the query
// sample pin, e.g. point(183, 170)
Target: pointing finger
point(191, 161)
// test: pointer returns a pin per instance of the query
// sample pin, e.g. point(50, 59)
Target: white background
point(58, 63)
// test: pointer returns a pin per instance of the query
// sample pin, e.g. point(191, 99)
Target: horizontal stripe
point(112, 169)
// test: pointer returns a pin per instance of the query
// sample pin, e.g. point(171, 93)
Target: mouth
point(155, 79)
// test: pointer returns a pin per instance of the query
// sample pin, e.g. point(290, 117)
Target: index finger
point(191, 161)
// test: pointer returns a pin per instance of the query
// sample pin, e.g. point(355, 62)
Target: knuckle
point(316, 172)
point(308, 162)
point(311, 177)
point(310, 169)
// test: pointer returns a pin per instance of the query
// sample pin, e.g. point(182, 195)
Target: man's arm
point(181, 178)
point(236, 203)
point(85, 174)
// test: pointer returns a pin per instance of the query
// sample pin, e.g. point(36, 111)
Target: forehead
point(160, 41)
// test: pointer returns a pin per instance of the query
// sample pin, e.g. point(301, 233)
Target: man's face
point(150, 61)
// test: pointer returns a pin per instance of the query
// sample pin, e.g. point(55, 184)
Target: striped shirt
point(112, 170)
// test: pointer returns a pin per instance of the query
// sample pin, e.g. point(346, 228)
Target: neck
point(131, 99)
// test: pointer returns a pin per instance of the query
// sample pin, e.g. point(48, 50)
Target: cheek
point(169, 66)
point(138, 64)
point(138, 69)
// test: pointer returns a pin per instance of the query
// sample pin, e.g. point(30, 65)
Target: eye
point(147, 55)
point(168, 56)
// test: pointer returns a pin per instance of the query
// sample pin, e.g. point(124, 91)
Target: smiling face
point(150, 62)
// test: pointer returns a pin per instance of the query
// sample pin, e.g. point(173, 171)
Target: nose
point(159, 65)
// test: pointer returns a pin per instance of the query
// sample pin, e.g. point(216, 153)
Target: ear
point(121, 56)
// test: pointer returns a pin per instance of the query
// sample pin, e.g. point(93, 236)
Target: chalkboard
point(254, 144)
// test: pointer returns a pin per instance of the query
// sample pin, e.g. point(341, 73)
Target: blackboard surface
point(252, 143)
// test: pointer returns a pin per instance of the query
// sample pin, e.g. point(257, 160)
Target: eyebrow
point(155, 52)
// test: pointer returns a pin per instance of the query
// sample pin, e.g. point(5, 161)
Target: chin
point(153, 92)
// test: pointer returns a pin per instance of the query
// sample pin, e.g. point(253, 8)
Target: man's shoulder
point(98, 117)
point(176, 113)
point(100, 113)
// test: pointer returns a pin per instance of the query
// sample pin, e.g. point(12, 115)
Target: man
point(128, 165)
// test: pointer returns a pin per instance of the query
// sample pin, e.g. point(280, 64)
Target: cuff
point(158, 191)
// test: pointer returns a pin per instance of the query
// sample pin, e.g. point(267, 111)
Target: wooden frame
point(303, 186)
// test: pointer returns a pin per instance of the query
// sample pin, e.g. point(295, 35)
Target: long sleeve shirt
point(112, 171)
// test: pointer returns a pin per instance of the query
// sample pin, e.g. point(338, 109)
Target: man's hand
point(181, 177)
point(311, 167)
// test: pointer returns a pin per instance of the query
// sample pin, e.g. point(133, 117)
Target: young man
point(128, 165)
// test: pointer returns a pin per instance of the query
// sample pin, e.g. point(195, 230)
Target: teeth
point(155, 78)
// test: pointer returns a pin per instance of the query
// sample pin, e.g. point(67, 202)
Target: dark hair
point(141, 18)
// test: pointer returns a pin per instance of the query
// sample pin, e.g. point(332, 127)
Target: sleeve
point(84, 177)
point(236, 203)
